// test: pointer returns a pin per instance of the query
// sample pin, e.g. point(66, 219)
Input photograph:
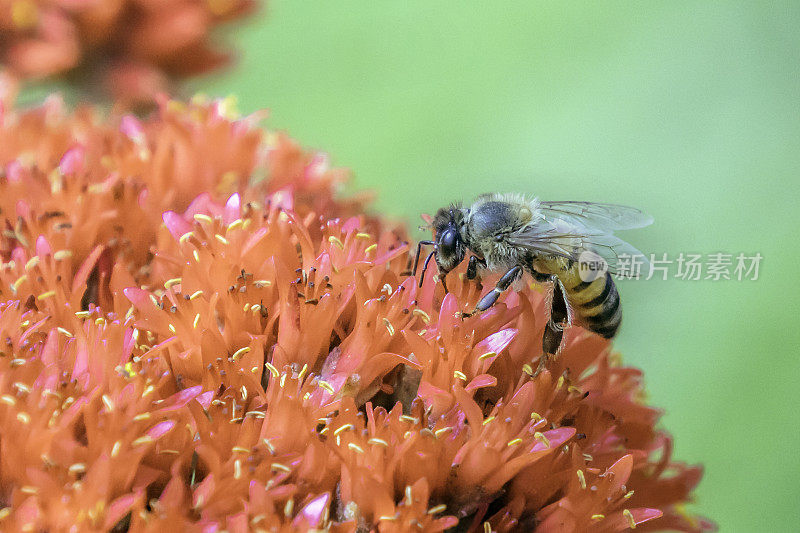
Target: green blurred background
point(689, 110)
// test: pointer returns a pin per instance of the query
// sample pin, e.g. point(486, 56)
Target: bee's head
point(450, 247)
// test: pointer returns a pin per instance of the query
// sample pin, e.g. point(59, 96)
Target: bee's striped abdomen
point(596, 305)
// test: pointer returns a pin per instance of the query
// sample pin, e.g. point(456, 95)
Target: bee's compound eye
point(448, 242)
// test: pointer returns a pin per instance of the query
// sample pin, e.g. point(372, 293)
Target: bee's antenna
point(419, 251)
point(425, 267)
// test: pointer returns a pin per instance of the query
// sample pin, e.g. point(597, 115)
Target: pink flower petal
point(176, 224)
point(73, 161)
point(620, 472)
point(181, 399)
point(43, 247)
point(481, 381)
point(161, 429)
point(232, 209)
point(312, 513)
point(132, 128)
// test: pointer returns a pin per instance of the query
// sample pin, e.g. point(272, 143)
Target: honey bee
point(570, 245)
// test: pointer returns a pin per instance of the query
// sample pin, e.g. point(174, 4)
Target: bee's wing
point(570, 235)
point(594, 215)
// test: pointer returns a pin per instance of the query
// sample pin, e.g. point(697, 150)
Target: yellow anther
point(336, 242)
point(107, 402)
point(371, 248)
point(240, 352)
point(196, 320)
point(422, 314)
point(269, 445)
point(60, 255)
point(272, 369)
point(598, 516)
point(355, 447)
point(221, 239)
point(581, 479)
point(280, 466)
point(144, 439)
point(340, 429)
point(541, 438)
point(376, 440)
point(438, 509)
point(460, 375)
point(325, 385)
point(171, 282)
point(487, 355)
point(441, 431)
point(201, 217)
point(32, 262)
point(185, 237)
point(363, 236)
point(45, 295)
point(235, 224)
point(629, 515)
point(514, 442)
point(488, 420)
point(195, 294)
point(8, 400)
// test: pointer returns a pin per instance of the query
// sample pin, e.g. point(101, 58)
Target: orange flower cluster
point(132, 47)
point(198, 335)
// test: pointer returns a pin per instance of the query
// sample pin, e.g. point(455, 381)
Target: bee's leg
point(554, 329)
point(424, 268)
point(489, 300)
point(472, 267)
point(420, 244)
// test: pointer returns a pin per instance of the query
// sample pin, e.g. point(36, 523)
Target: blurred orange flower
point(133, 49)
point(199, 334)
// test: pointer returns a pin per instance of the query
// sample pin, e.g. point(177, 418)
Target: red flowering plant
point(198, 334)
point(133, 49)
